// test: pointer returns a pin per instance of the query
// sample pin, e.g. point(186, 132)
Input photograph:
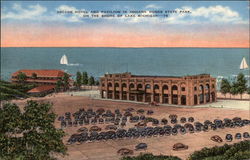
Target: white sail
point(243, 64)
point(64, 60)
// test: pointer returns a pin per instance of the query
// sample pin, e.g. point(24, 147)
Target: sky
point(208, 24)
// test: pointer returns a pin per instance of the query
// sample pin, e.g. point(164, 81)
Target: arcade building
point(186, 90)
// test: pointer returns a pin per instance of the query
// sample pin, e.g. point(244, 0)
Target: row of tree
point(150, 156)
point(236, 151)
point(84, 79)
point(237, 87)
point(30, 134)
point(63, 83)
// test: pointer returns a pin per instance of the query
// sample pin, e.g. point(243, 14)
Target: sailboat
point(64, 60)
point(243, 64)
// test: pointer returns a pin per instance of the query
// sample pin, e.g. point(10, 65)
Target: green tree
point(59, 85)
point(31, 134)
point(225, 86)
point(248, 90)
point(65, 80)
point(150, 156)
point(241, 84)
point(34, 75)
point(78, 79)
point(21, 77)
point(84, 78)
point(91, 81)
point(97, 83)
point(234, 89)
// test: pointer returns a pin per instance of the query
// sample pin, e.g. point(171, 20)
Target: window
point(148, 86)
point(182, 88)
point(174, 87)
point(156, 86)
point(195, 88)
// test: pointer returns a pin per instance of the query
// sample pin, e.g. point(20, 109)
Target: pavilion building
point(185, 90)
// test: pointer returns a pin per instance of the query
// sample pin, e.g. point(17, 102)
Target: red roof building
point(45, 79)
point(40, 77)
point(43, 89)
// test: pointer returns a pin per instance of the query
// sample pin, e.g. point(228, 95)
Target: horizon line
point(114, 47)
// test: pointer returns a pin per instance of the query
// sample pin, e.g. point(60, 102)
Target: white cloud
point(211, 14)
point(153, 6)
point(32, 12)
point(201, 15)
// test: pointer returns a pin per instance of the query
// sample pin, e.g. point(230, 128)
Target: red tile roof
point(38, 80)
point(41, 73)
point(42, 88)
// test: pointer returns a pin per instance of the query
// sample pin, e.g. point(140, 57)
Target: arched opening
point(117, 93)
point(201, 89)
point(207, 93)
point(147, 86)
point(195, 100)
point(174, 94)
point(103, 94)
point(207, 86)
point(213, 96)
point(124, 91)
point(156, 93)
point(139, 86)
point(131, 94)
point(131, 86)
point(174, 87)
point(156, 86)
point(183, 100)
point(110, 91)
point(139, 94)
point(147, 93)
point(109, 84)
point(165, 94)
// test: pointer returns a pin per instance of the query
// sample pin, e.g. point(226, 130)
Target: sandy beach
point(107, 150)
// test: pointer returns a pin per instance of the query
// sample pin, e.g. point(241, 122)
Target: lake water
point(143, 61)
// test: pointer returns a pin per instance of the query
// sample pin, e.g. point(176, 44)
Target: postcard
point(125, 80)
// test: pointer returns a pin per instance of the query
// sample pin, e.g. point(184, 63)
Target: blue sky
point(241, 7)
point(210, 23)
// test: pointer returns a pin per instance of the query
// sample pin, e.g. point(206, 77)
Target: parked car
point(125, 151)
point(179, 146)
point(141, 146)
point(216, 138)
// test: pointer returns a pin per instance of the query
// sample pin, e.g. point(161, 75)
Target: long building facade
point(186, 90)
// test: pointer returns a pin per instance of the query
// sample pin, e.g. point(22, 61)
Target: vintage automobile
point(229, 137)
point(82, 129)
point(111, 127)
point(150, 112)
point(125, 152)
point(191, 119)
point(95, 129)
point(141, 146)
point(246, 135)
point(140, 111)
point(183, 120)
point(179, 146)
point(238, 136)
point(141, 124)
point(216, 138)
point(164, 121)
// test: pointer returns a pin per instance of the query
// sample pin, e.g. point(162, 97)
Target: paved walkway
point(232, 104)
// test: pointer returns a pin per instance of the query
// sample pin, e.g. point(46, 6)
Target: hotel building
point(186, 90)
